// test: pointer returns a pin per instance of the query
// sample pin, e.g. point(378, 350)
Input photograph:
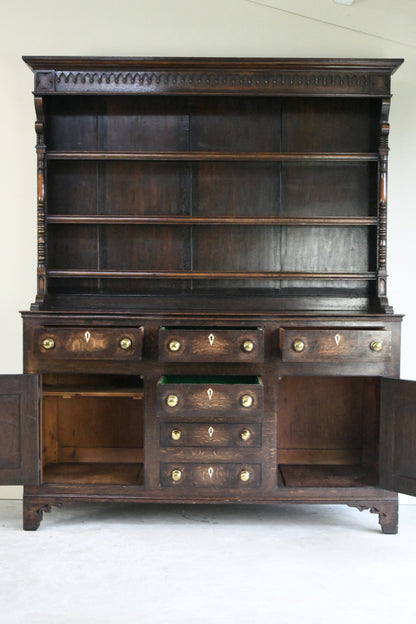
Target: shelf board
point(325, 476)
point(100, 455)
point(218, 156)
point(69, 392)
point(203, 275)
point(218, 220)
point(92, 473)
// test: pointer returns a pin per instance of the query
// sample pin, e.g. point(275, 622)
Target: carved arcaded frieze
point(221, 80)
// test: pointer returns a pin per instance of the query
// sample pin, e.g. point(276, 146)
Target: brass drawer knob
point(48, 343)
point(175, 434)
point(172, 400)
point(174, 345)
point(376, 345)
point(245, 434)
point(125, 343)
point(246, 400)
point(298, 345)
point(248, 346)
point(244, 476)
point(176, 475)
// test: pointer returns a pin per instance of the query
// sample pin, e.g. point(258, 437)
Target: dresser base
point(380, 502)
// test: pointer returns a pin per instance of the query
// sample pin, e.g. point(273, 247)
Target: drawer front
point(241, 476)
point(211, 345)
point(210, 398)
point(332, 345)
point(74, 343)
point(182, 434)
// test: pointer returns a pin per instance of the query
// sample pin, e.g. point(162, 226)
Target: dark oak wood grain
point(326, 345)
point(211, 344)
point(196, 219)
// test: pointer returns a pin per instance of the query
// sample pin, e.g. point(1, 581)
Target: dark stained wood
point(220, 76)
point(328, 476)
point(136, 124)
point(72, 246)
point(331, 190)
point(331, 345)
point(68, 391)
point(398, 436)
point(210, 476)
point(211, 344)
point(155, 248)
point(120, 474)
point(207, 435)
point(19, 429)
point(236, 189)
point(88, 342)
point(72, 188)
point(107, 189)
point(33, 514)
point(210, 396)
point(220, 220)
point(211, 201)
point(323, 125)
point(235, 125)
point(322, 420)
point(163, 274)
point(214, 156)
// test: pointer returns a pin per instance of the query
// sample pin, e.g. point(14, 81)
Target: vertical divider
point(151, 434)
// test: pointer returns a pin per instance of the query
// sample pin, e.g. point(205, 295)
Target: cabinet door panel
point(398, 436)
point(19, 429)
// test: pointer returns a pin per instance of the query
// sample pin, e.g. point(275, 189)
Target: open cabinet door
point(19, 429)
point(398, 436)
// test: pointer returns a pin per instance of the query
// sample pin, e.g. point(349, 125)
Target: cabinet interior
point(92, 429)
point(328, 431)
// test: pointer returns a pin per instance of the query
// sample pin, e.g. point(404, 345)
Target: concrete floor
point(134, 564)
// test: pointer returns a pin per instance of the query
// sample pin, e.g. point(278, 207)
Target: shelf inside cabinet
point(92, 473)
point(326, 476)
point(70, 391)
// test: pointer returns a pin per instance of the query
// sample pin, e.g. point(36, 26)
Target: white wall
point(194, 28)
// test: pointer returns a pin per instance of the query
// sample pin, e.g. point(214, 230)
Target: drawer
point(239, 476)
point(211, 345)
point(332, 345)
point(89, 343)
point(182, 434)
point(206, 396)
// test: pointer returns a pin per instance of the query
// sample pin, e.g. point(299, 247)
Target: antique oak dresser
point(211, 322)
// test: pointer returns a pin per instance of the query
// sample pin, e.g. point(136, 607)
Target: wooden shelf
point(91, 473)
point(218, 156)
point(325, 476)
point(219, 220)
point(68, 392)
point(207, 275)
